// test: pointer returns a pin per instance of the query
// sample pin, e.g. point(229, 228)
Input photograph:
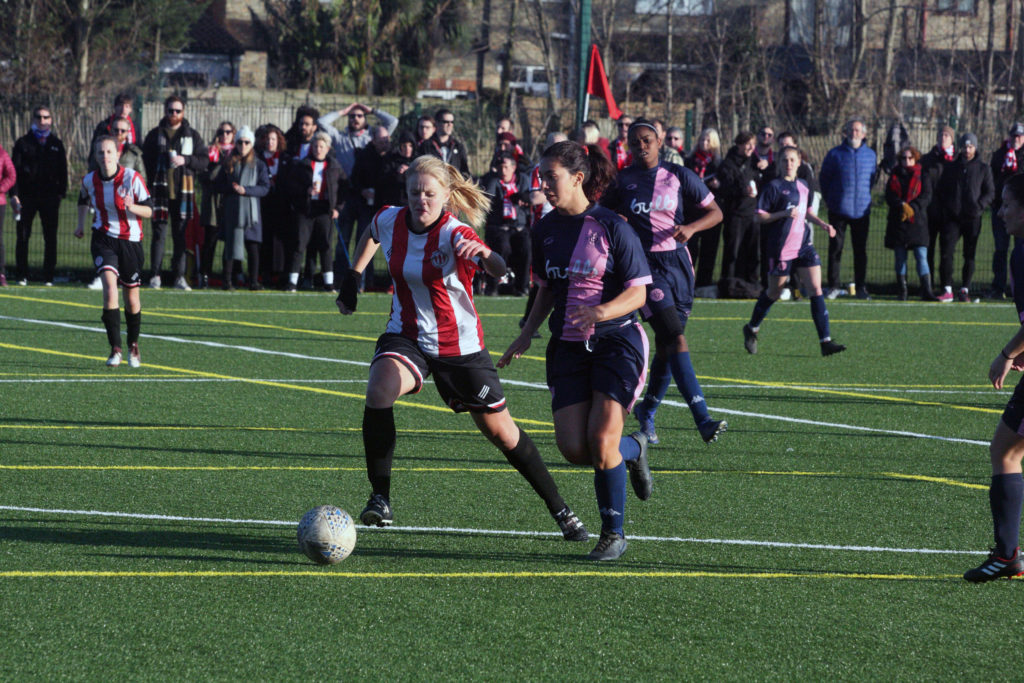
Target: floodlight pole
point(583, 53)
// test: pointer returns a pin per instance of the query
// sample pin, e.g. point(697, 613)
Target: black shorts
point(465, 383)
point(1013, 414)
point(617, 367)
point(123, 257)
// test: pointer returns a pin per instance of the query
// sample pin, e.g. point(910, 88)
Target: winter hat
point(946, 130)
point(245, 133)
point(1017, 129)
point(969, 139)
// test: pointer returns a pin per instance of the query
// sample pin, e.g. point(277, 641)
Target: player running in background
point(434, 329)
point(1006, 492)
point(666, 204)
point(121, 201)
point(592, 277)
point(782, 211)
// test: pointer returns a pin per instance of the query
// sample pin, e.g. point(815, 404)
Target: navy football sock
point(379, 445)
point(657, 385)
point(526, 459)
point(610, 487)
point(686, 380)
point(820, 315)
point(112, 322)
point(764, 302)
point(629, 448)
point(1005, 496)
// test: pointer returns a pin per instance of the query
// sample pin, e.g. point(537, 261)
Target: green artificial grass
point(789, 550)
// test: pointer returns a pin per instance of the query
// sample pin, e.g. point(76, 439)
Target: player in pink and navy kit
point(783, 211)
point(434, 329)
point(666, 204)
point(592, 277)
point(121, 200)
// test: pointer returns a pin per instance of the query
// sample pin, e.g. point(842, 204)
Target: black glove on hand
point(349, 292)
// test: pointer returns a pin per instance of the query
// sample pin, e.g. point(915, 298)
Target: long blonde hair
point(467, 199)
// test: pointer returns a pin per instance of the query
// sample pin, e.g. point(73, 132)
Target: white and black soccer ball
point(327, 534)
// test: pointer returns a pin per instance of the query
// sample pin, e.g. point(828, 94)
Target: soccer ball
point(327, 534)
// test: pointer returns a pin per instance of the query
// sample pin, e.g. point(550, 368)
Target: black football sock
point(379, 445)
point(526, 459)
point(1005, 497)
point(133, 321)
point(112, 321)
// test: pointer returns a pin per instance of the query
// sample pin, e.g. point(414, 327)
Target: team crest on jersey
point(99, 261)
point(439, 259)
point(657, 294)
point(632, 186)
point(548, 241)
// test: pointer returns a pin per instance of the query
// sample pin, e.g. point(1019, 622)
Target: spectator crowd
point(287, 206)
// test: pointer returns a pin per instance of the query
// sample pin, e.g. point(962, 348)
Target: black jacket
point(491, 183)
point(1000, 175)
point(934, 163)
point(915, 232)
point(734, 176)
point(185, 140)
point(457, 156)
point(965, 188)
point(300, 180)
point(42, 168)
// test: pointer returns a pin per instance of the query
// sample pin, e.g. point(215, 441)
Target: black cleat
point(710, 430)
point(377, 512)
point(640, 469)
point(749, 339)
point(829, 347)
point(571, 526)
point(610, 547)
point(996, 567)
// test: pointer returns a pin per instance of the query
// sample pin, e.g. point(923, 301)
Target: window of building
point(957, 6)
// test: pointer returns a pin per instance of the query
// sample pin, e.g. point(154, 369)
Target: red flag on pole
point(597, 83)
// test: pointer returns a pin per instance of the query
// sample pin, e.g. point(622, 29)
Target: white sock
point(329, 277)
point(293, 278)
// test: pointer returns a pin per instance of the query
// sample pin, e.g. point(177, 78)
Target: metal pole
point(583, 54)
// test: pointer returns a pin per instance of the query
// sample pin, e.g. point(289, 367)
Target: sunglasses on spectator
point(766, 134)
point(174, 111)
point(225, 131)
point(447, 120)
point(357, 115)
point(907, 158)
point(244, 142)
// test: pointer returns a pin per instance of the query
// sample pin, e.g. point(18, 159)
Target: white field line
point(510, 382)
point(500, 532)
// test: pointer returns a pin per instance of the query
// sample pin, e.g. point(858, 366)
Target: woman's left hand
point(583, 317)
point(237, 188)
point(470, 249)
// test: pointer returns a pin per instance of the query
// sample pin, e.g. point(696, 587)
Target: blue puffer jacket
point(847, 175)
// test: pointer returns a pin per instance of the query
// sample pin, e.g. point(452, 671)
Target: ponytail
point(591, 160)
point(467, 200)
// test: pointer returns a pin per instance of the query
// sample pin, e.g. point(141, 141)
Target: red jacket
point(7, 175)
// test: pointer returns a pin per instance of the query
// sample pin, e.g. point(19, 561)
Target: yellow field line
point(329, 573)
point(853, 394)
point(473, 470)
point(248, 380)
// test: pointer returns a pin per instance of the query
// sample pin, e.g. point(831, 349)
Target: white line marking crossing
point(498, 532)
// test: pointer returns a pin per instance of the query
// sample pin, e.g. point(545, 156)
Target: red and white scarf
point(701, 160)
point(272, 160)
point(1010, 160)
point(508, 207)
point(623, 158)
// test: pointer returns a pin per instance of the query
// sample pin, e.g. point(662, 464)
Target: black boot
point(926, 288)
point(901, 280)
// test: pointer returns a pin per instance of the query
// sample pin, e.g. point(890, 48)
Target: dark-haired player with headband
point(666, 204)
point(592, 277)
point(1006, 492)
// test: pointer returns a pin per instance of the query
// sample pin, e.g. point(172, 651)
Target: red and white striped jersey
point(107, 197)
point(433, 300)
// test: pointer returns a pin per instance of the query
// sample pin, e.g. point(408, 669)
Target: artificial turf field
point(823, 536)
